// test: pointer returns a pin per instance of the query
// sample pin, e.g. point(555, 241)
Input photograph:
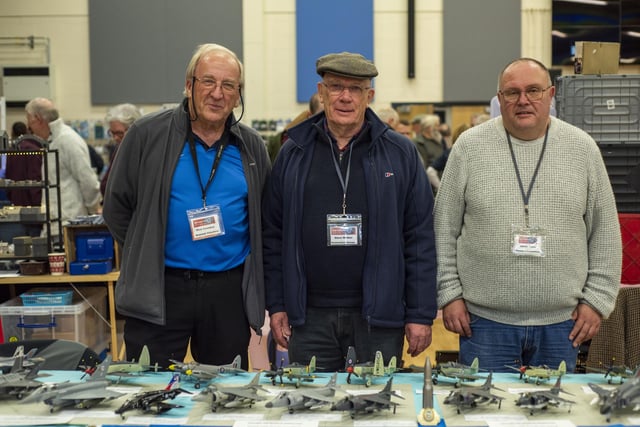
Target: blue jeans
point(498, 344)
point(328, 332)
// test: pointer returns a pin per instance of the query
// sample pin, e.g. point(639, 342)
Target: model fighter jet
point(306, 398)
point(367, 371)
point(79, 395)
point(541, 400)
point(154, 401)
point(625, 396)
point(19, 381)
point(294, 372)
point(539, 373)
point(470, 397)
point(231, 397)
point(6, 362)
point(367, 403)
point(203, 372)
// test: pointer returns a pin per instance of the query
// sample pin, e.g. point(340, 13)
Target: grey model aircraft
point(540, 400)
point(612, 370)
point(202, 372)
point(458, 372)
point(368, 370)
point(6, 362)
point(305, 398)
point(368, 403)
point(82, 395)
point(625, 397)
point(232, 397)
point(470, 397)
point(154, 401)
point(19, 381)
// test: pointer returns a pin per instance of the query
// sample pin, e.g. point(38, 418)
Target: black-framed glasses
point(336, 89)
point(209, 83)
point(532, 94)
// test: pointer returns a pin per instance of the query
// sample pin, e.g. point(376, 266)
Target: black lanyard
point(214, 168)
point(343, 181)
point(525, 197)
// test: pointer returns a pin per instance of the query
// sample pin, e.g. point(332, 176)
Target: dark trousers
point(328, 333)
point(206, 308)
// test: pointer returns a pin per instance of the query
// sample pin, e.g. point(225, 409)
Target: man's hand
point(456, 318)
point(418, 337)
point(587, 324)
point(280, 328)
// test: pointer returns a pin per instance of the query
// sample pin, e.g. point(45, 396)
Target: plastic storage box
point(82, 321)
point(605, 106)
point(38, 298)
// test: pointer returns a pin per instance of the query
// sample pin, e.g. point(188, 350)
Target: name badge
point(206, 222)
point(528, 241)
point(344, 230)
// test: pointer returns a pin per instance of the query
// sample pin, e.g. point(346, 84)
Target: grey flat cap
point(346, 64)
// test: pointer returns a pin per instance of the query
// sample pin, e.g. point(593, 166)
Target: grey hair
point(43, 108)
point(123, 113)
point(530, 60)
point(205, 49)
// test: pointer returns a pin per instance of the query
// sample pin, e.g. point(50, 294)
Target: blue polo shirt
point(228, 190)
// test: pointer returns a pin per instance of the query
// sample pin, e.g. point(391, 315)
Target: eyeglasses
point(532, 94)
point(337, 89)
point(208, 83)
point(116, 134)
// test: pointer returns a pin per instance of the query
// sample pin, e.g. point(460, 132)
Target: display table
point(409, 386)
point(46, 279)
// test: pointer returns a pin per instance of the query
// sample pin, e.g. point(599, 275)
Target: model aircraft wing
point(376, 399)
point(486, 394)
point(86, 394)
point(463, 376)
point(203, 375)
point(600, 391)
point(245, 394)
point(311, 394)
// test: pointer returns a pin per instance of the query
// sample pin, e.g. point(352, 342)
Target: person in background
point(183, 200)
point(416, 123)
point(119, 118)
point(528, 239)
point(404, 128)
point(348, 235)
point(434, 171)
point(18, 129)
point(79, 186)
point(389, 116)
point(25, 168)
point(429, 141)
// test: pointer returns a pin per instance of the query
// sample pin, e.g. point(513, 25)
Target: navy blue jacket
point(399, 277)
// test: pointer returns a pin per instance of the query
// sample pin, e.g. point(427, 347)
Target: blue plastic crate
point(47, 298)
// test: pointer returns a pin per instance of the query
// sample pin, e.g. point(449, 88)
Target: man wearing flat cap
point(349, 245)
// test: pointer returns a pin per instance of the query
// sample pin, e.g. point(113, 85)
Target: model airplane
point(155, 400)
point(541, 400)
point(294, 372)
point(79, 395)
point(539, 373)
point(368, 403)
point(367, 371)
point(6, 362)
point(458, 371)
point(470, 397)
point(232, 397)
point(202, 372)
point(305, 398)
point(19, 381)
point(611, 371)
point(625, 396)
point(129, 368)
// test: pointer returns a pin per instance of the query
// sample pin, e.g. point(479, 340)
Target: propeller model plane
point(306, 398)
point(470, 397)
point(294, 372)
point(367, 371)
point(458, 371)
point(231, 397)
point(130, 368)
point(612, 370)
point(203, 372)
point(539, 373)
point(368, 403)
point(81, 395)
point(541, 400)
point(625, 396)
point(154, 401)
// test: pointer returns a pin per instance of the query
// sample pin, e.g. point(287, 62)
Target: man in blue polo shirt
point(183, 199)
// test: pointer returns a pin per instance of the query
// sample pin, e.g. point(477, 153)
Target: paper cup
point(56, 263)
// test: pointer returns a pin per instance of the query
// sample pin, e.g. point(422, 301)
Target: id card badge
point(344, 230)
point(206, 222)
point(528, 241)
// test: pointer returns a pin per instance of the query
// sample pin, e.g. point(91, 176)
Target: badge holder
point(344, 230)
point(205, 222)
point(528, 241)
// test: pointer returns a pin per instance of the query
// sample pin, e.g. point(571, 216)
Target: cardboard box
point(597, 58)
point(82, 321)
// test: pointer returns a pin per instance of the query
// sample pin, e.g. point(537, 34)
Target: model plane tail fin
point(392, 365)
point(378, 364)
point(562, 369)
point(237, 362)
point(312, 365)
point(475, 366)
point(174, 382)
point(351, 358)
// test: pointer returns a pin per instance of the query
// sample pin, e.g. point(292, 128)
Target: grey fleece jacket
point(136, 206)
point(479, 201)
